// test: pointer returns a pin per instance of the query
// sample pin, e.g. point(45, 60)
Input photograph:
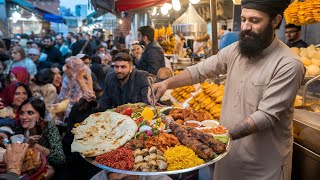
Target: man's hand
point(32, 140)
point(158, 89)
point(14, 157)
point(89, 96)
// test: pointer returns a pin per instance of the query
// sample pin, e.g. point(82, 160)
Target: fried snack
point(188, 114)
point(31, 161)
point(163, 141)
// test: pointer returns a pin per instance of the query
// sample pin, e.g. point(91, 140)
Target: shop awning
point(114, 6)
point(22, 3)
point(52, 18)
point(40, 12)
point(126, 5)
point(96, 14)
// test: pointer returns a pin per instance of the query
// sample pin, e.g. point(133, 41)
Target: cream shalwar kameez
point(263, 89)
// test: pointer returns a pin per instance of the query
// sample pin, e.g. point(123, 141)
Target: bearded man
point(124, 85)
point(263, 78)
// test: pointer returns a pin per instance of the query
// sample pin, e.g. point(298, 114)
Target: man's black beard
point(143, 43)
point(124, 77)
point(251, 47)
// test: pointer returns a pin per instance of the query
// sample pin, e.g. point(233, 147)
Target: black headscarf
point(271, 7)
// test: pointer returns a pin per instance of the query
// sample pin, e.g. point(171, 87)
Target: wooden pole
point(214, 38)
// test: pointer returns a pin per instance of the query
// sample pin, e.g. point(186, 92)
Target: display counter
point(306, 147)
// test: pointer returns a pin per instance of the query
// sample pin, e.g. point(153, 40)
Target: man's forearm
point(242, 129)
point(182, 79)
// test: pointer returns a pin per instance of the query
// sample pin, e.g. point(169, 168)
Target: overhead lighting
point(164, 10)
point(154, 11)
point(194, 1)
point(33, 18)
point(176, 5)
point(236, 2)
point(16, 15)
point(168, 6)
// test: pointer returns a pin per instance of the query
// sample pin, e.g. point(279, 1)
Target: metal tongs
point(153, 103)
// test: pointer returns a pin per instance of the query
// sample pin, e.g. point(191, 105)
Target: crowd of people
point(49, 84)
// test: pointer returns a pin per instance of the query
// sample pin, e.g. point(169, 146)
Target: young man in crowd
point(65, 51)
point(54, 55)
point(152, 59)
point(124, 85)
point(293, 34)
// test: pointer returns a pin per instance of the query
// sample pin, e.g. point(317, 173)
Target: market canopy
point(114, 6)
point(52, 18)
point(126, 5)
point(40, 12)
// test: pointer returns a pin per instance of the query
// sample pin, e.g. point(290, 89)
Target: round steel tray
point(92, 161)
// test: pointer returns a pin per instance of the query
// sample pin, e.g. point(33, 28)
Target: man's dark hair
point(2, 44)
point(224, 27)
point(147, 31)
point(48, 37)
point(100, 46)
point(44, 76)
point(75, 37)
point(55, 65)
point(113, 53)
point(123, 57)
point(292, 26)
point(38, 44)
point(125, 51)
point(96, 59)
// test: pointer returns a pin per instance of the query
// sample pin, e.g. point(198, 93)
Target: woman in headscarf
point(13, 96)
point(77, 80)
point(19, 74)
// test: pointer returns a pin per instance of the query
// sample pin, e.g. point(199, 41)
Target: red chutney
point(121, 158)
point(194, 125)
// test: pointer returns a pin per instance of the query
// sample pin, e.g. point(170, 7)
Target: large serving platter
point(218, 158)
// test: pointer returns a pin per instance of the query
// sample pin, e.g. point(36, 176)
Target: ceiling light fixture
point(176, 5)
point(194, 1)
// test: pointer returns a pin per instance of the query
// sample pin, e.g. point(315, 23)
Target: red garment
point(8, 93)
point(125, 5)
point(21, 74)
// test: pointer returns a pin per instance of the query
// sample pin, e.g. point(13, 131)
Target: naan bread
point(102, 132)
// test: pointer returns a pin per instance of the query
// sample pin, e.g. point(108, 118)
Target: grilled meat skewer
point(199, 148)
point(208, 140)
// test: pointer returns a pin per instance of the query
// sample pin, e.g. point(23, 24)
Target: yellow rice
point(181, 157)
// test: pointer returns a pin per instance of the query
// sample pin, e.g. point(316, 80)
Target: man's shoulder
point(287, 56)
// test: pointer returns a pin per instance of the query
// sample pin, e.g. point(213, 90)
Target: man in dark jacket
point(123, 85)
point(152, 59)
point(54, 55)
point(293, 34)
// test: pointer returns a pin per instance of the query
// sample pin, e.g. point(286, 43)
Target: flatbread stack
point(102, 132)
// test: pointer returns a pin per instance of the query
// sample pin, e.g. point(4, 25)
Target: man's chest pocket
point(254, 91)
